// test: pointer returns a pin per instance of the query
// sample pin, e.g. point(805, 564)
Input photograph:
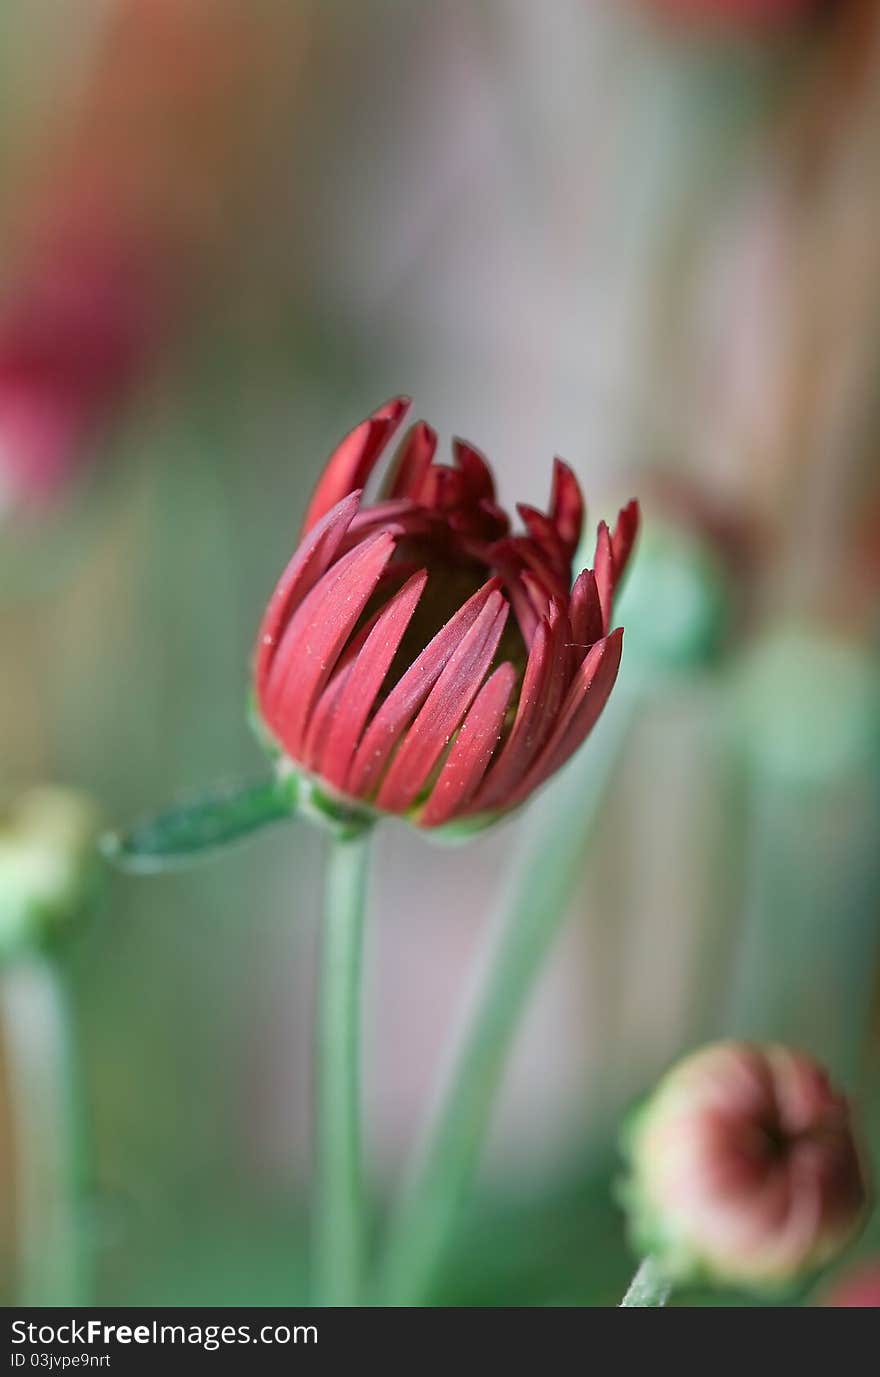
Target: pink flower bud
point(743, 1168)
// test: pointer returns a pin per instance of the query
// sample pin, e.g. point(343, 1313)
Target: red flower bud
point(743, 1168)
point(389, 668)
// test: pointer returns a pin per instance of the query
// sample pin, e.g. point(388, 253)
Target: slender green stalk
point(340, 1223)
point(49, 1143)
point(648, 1289)
point(540, 897)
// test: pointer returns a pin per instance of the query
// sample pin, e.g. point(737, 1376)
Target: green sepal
point(319, 807)
point(202, 825)
point(459, 831)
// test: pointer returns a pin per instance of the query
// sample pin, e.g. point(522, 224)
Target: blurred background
point(643, 235)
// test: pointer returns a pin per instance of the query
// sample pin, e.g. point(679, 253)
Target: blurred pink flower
point(744, 1168)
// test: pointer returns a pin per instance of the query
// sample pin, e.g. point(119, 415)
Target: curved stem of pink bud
point(49, 1141)
point(541, 891)
point(649, 1289)
point(339, 1222)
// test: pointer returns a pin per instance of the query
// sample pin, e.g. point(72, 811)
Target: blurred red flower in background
point(137, 187)
point(74, 338)
point(387, 666)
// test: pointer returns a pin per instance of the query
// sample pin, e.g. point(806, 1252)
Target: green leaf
point(201, 825)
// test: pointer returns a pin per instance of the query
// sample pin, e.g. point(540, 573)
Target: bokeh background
point(643, 235)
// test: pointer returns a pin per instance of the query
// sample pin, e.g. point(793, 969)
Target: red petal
point(539, 596)
point(585, 611)
point(547, 677)
point(400, 516)
point(390, 581)
point(519, 747)
point(624, 537)
point(351, 463)
point(312, 559)
point(412, 461)
point(478, 481)
point(545, 535)
point(315, 636)
point(604, 571)
point(442, 488)
point(586, 699)
point(365, 680)
point(535, 560)
point(472, 749)
point(566, 505)
point(408, 695)
point(560, 672)
point(324, 712)
point(515, 587)
point(444, 708)
point(494, 519)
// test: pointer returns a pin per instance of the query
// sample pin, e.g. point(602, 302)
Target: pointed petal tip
point(567, 505)
point(411, 463)
point(460, 443)
point(461, 446)
point(476, 470)
point(585, 700)
point(628, 519)
point(565, 476)
point(354, 458)
point(393, 409)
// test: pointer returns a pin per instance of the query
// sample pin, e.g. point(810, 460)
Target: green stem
point(648, 1289)
point(540, 898)
point(49, 1142)
point(339, 1229)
